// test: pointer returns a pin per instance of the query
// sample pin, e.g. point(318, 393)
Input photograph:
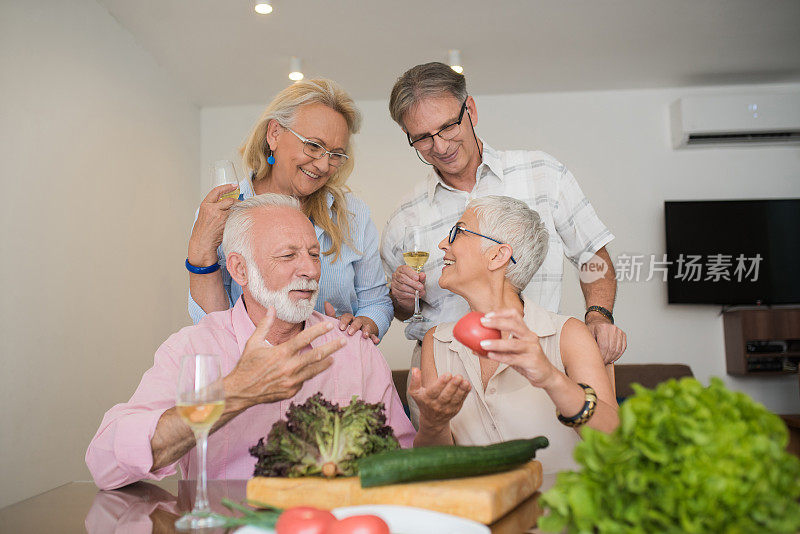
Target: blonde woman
point(301, 147)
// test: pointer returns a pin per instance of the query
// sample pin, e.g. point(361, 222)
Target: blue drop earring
point(271, 158)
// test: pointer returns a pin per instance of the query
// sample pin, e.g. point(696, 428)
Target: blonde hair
point(283, 109)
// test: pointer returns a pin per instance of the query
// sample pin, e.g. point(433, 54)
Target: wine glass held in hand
point(200, 402)
point(415, 256)
point(223, 172)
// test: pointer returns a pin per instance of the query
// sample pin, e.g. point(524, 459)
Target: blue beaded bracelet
point(201, 270)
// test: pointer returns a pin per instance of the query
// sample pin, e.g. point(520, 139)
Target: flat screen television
point(733, 252)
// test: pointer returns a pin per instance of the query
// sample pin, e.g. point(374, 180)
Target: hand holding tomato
point(469, 331)
point(519, 347)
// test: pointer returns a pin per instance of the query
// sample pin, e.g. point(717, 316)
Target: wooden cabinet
point(793, 424)
point(762, 341)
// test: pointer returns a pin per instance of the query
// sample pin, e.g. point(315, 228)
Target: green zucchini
point(443, 462)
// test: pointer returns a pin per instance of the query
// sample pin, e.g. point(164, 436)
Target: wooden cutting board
point(484, 499)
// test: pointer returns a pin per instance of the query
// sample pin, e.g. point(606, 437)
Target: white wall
point(100, 163)
point(617, 145)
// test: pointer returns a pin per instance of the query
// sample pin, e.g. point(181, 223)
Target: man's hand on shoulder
point(610, 338)
point(267, 373)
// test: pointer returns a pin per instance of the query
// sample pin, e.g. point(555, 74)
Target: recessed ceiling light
point(454, 60)
point(263, 8)
point(295, 69)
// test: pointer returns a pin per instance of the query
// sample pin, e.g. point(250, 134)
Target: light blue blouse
point(355, 283)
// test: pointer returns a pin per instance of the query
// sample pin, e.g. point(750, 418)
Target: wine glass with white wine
point(415, 255)
point(200, 402)
point(223, 172)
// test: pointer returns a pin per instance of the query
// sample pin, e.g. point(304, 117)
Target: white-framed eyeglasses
point(316, 151)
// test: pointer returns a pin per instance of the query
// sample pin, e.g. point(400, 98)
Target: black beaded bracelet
point(586, 412)
point(601, 310)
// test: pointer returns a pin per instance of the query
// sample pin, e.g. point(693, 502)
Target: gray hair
point(423, 81)
point(236, 237)
point(511, 221)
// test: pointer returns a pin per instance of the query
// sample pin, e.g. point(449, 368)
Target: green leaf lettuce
point(685, 458)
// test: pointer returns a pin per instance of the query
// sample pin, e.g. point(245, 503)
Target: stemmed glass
point(415, 255)
point(223, 172)
point(200, 402)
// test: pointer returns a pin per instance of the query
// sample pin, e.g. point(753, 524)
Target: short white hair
point(511, 221)
point(236, 237)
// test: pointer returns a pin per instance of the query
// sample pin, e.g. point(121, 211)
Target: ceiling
point(222, 53)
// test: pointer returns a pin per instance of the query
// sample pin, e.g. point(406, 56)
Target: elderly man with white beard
point(274, 350)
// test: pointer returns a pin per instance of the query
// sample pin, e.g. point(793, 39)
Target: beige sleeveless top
point(510, 407)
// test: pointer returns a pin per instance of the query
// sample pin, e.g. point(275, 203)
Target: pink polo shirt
point(120, 452)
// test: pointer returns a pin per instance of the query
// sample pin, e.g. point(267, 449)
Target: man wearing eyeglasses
point(431, 104)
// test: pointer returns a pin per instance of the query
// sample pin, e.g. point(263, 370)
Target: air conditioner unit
point(769, 118)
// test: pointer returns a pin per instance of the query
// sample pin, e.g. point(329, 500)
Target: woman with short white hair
point(544, 376)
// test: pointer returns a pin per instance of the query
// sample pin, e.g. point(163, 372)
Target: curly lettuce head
point(320, 438)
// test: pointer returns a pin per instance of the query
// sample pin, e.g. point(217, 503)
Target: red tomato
point(359, 524)
point(304, 520)
point(470, 332)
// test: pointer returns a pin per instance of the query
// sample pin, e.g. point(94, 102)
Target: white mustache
point(306, 284)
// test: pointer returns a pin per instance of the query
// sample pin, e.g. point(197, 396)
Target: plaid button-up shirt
point(534, 177)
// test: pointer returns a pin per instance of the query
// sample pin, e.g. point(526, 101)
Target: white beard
point(286, 309)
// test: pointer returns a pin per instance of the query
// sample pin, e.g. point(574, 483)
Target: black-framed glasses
point(456, 229)
point(447, 133)
point(316, 151)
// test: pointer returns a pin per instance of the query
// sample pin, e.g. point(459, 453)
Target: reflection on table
point(147, 507)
